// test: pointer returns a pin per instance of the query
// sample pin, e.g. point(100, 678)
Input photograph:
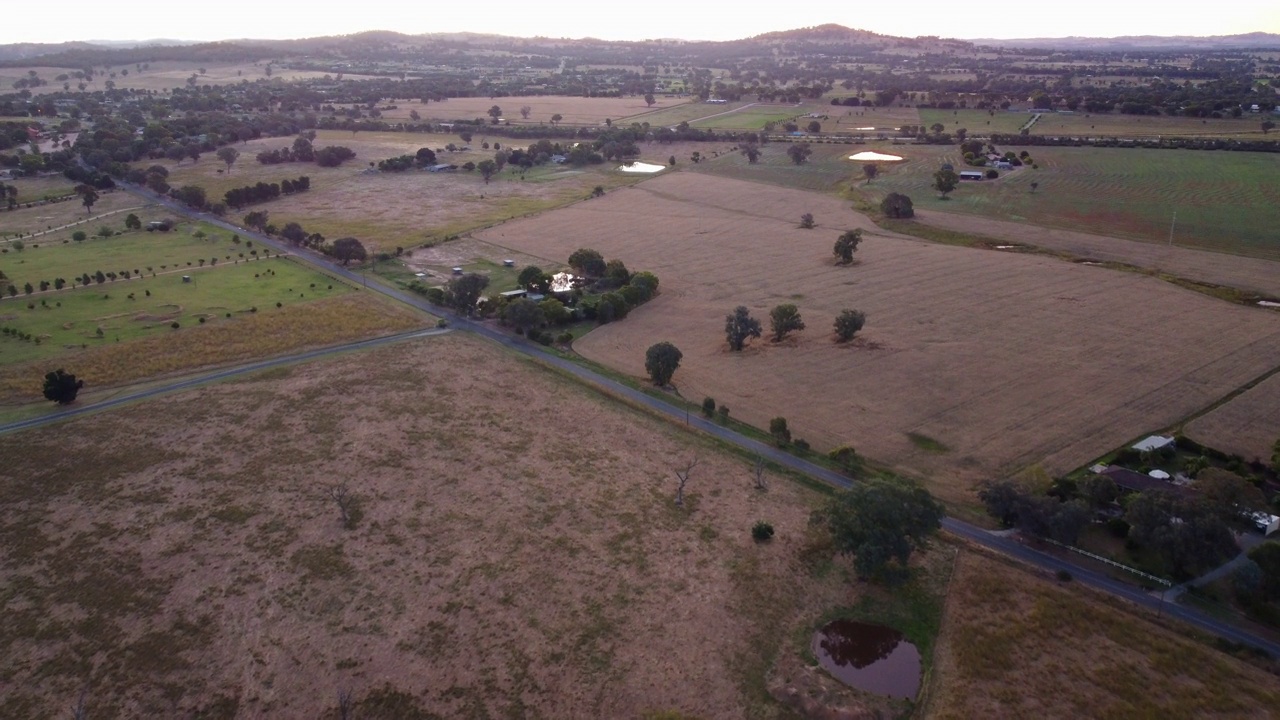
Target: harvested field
point(1253, 274)
point(42, 218)
point(1247, 425)
point(575, 110)
point(1016, 645)
point(1008, 360)
point(103, 362)
point(509, 557)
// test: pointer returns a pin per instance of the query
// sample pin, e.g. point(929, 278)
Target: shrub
point(992, 174)
point(708, 407)
point(723, 412)
point(845, 455)
point(779, 430)
point(565, 338)
point(1118, 528)
point(802, 444)
point(762, 531)
point(174, 325)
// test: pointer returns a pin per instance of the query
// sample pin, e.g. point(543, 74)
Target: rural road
point(972, 533)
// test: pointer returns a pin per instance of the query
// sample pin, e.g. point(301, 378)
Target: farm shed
point(442, 167)
point(513, 294)
point(1153, 442)
point(1265, 522)
point(971, 175)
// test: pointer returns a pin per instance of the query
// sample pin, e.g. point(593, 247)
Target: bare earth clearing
point(1258, 275)
point(514, 556)
point(1008, 360)
point(1018, 646)
point(1247, 425)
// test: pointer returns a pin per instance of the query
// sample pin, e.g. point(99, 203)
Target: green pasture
point(756, 116)
point(56, 255)
point(1225, 201)
point(1085, 124)
point(70, 319)
point(977, 122)
point(41, 188)
point(827, 169)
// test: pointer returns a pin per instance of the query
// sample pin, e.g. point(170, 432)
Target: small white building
point(1153, 442)
point(1265, 522)
point(1159, 474)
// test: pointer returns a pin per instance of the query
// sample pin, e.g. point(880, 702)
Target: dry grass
point(1008, 360)
point(164, 76)
point(248, 336)
point(575, 110)
point(396, 209)
point(44, 217)
point(1015, 645)
point(1247, 425)
point(513, 557)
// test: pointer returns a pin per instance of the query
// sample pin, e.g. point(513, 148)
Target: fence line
point(1110, 562)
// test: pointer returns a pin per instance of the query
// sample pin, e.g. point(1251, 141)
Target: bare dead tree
point(683, 475)
point(81, 711)
point(346, 705)
point(346, 502)
point(761, 482)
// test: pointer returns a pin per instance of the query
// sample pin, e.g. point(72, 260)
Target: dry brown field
point(162, 76)
point(394, 209)
point(973, 363)
point(575, 110)
point(43, 218)
point(1247, 425)
point(1016, 645)
point(511, 557)
point(1246, 273)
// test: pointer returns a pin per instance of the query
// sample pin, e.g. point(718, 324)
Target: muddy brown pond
point(869, 657)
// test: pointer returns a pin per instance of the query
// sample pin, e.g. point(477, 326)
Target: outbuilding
point(1153, 442)
point(971, 175)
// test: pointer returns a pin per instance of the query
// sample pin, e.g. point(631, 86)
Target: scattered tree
point(683, 477)
point(555, 119)
point(870, 170)
point(784, 319)
point(132, 222)
point(762, 531)
point(780, 432)
point(649, 99)
point(806, 221)
point(88, 196)
point(661, 361)
point(751, 150)
point(878, 522)
point(487, 168)
point(1034, 185)
point(228, 155)
point(739, 327)
point(348, 505)
point(799, 152)
point(524, 111)
point(348, 249)
point(897, 205)
point(944, 181)
point(846, 245)
point(848, 323)
point(761, 482)
point(61, 387)
point(462, 292)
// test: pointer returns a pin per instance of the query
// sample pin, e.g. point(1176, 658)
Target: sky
point(706, 20)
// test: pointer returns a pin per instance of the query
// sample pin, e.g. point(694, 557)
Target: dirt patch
point(1008, 359)
point(513, 556)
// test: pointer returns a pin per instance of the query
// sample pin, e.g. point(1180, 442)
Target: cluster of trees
point(262, 192)
point(1187, 533)
point(621, 290)
point(784, 319)
point(302, 151)
point(425, 157)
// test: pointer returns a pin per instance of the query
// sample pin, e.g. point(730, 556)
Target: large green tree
point(228, 155)
point(846, 245)
point(784, 319)
point(799, 153)
point(522, 314)
point(661, 361)
point(88, 196)
point(347, 249)
point(61, 387)
point(881, 522)
point(944, 181)
point(462, 292)
point(587, 262)
point(739, 327)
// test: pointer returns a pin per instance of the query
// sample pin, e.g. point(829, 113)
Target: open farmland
point(40, 188)
point(395, 209)
point(991, 362)
point(43, 218)
point(1248, 425)
point(1216, 268)
point(1081, 124)
point(161, 76)
point(827, 170)
point(509, 556)
point(754, 116)
point(1225, 201)
point(1018, 646)
point(977, 122)
point(574, 110)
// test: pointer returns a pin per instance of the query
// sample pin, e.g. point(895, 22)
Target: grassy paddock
point(1224, 200)
point(40, 188)
point(43, 218)
point(71, 320)
point(339, 317)
point(828, 168)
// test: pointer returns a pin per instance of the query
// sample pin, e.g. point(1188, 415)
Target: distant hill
point(1143, 42)
point(24, 51)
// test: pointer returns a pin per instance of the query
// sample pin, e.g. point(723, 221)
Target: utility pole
point(1172, 225)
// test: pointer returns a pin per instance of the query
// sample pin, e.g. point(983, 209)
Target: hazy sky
point(83, 20)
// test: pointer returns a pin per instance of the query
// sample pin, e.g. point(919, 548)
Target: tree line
point(262, 192)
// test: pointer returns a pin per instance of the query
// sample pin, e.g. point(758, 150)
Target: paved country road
point(970, 532)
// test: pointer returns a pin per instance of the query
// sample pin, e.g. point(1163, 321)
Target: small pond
point(869, 657)
point(642, 167)
point(874, 156)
